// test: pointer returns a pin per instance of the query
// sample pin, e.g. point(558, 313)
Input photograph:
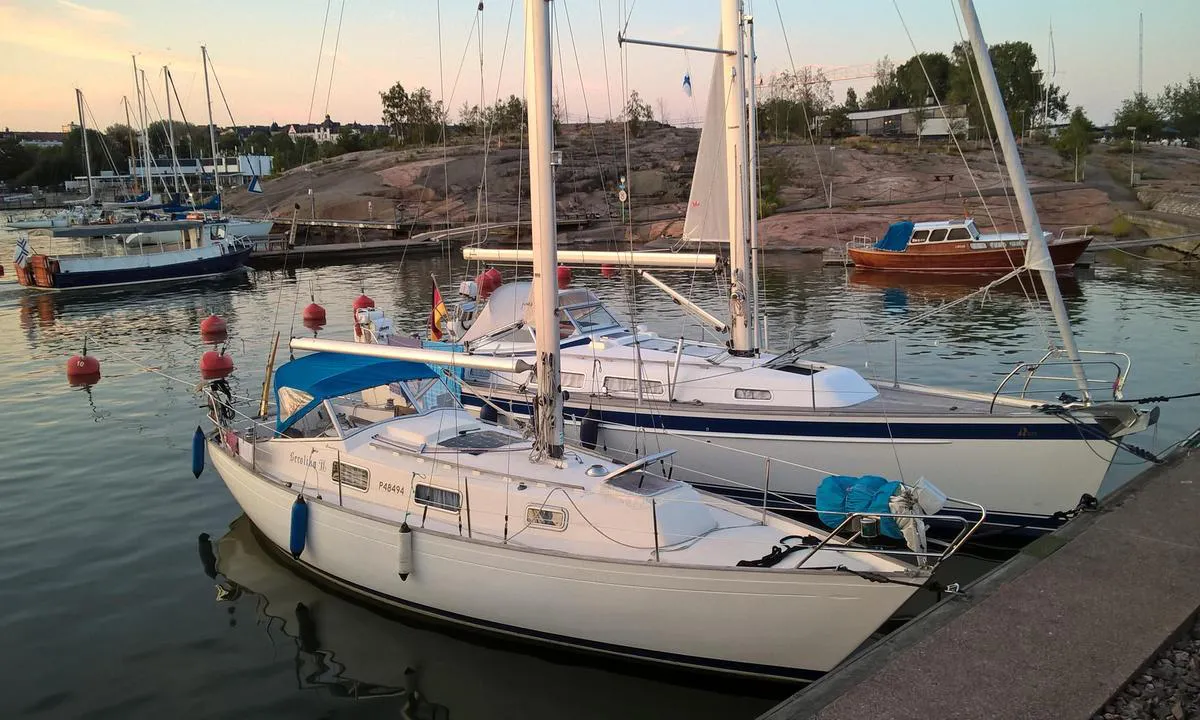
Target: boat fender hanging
point(589, 429)
point(299, 534)
point(197, 452)
point(406, 551)
point(487, 413)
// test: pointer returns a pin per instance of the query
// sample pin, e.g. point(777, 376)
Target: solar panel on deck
point(476, 443)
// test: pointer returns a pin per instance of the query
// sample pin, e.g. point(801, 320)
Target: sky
point(266, 53)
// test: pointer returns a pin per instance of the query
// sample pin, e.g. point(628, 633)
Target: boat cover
point(838, 495)
point(304, 383)
point(896, 239)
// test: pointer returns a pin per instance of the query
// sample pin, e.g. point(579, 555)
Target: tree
point(1139, 113)
point(851, 103)
point(637, 113)
point(1029, 99)
point(1076, 139)
point(1179, 106)
point(886, 92)
point(914, 87)
point(835, 123)
point(15, 159)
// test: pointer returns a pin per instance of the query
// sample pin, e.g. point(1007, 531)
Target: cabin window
point(959, 233)
point(351, 476)
point(436, 497)
point(920, 236)
point(590, 318)
point(544, 516)
point(937, 235)
point(630, 385)
point(570, 379)
point(751, 394)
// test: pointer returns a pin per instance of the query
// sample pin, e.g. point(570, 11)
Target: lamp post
point(1132, 151)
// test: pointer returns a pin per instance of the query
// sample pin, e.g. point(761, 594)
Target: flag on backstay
point(687, 84)
point(436, 315)
point(22, 254)
point(255, 185)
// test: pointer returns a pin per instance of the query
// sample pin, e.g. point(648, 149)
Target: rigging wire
point(337, 39)
point(317, 75)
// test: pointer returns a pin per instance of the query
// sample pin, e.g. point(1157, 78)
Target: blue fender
point(197, 452)
point(299, 535)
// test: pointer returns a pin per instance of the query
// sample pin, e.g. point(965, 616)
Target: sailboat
point(746, 419)
point(374, 478)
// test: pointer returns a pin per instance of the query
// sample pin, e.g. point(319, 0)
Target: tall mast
point(212, 131)
point(752, 81)
point(139, 83)
point(171, 130)
point(87, 153)
point(132, 146)
point(741, 301)
point(1037, 255)
point(539, 88)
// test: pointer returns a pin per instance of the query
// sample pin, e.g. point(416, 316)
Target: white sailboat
point(1030, 451)
point(374, 478)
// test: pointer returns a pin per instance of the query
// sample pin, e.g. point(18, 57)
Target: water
point(107, 610)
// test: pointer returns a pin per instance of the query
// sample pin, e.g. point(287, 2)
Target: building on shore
point(929, 121)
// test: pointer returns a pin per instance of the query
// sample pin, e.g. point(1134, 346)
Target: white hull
point(723, 619)
point(249, 228)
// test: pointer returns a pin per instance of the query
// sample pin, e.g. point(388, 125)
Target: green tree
point(396, 109)
point(835, 123)
point(228, 141)
point(637, 113)
point(1140, 113)
point(15, 159)
point(851, 103)
point(913, 85)
point(1029, 99)
point(1075, 140)
point(1179, 106)
point(886, 93)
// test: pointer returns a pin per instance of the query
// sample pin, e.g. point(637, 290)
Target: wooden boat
point(957, 246)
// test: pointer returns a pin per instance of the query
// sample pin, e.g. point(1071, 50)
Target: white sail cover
point(707, 217)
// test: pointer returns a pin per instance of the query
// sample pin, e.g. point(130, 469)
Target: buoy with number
point(299, 534)
point(564, 277)
point(83, 369)
point(406, 551)
point(215, 365)
point(197, 452)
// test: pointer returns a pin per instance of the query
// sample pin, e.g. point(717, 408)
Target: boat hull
point(961, 258)
point(1022, 469)
point(136, 270)
point(782, 625)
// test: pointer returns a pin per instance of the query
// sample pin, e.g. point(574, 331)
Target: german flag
point(439, 312)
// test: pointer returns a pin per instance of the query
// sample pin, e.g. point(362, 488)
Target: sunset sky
point(266, 52)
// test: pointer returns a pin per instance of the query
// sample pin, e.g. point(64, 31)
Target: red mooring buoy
point(213, 325)
point(362, 302)
point(214, 365)
point(488, 281)
point(313, 314)
point(608, 271)
point(564, 277)
point(83, 369)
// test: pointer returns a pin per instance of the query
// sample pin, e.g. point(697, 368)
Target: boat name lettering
point(317, 464)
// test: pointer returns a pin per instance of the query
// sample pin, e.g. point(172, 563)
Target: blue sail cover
point(324, 375)
point(896, 238)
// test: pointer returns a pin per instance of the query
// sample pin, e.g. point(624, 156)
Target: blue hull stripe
point(1014, 429)
point(770, 672)
point(208, 266)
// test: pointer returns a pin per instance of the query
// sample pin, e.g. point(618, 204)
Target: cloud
point(108, 17)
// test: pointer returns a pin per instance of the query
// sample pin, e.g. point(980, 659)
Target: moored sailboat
point(374, 478)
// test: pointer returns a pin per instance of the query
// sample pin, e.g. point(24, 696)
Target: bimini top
point(511, 303)
point(306, 382)
point(896, 239)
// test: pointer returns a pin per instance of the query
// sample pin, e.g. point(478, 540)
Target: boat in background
point(957, 246)
point(115, 254)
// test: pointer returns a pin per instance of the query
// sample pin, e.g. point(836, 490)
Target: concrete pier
point(1052, 633)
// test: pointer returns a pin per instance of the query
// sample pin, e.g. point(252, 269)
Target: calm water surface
point(105, 607)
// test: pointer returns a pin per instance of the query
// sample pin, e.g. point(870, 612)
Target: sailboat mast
point(1037, 254)
point(171, 129)
point(752, 190)
point(741, 310)
point(139, 83)
point(132, 145)
point(212, 131)
point(87, 153)
point(539, 88)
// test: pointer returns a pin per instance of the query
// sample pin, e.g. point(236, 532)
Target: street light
point(1132, 150)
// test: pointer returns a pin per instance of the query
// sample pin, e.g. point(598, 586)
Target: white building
point(323, 132)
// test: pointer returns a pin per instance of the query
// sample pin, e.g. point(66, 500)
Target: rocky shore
point(1168, 689)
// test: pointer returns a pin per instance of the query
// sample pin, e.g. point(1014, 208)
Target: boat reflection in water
point(353, 652)
point(954, 286)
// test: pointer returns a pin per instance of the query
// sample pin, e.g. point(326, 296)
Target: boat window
point(351, 476)
point(751, 394)
point(435, 497)
point(630, 385)
point(590, 318)
point(570, 379)
point(959, 233)
point(543, 516)
point(937, 235)
point(920, 236)
point(425, 394)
